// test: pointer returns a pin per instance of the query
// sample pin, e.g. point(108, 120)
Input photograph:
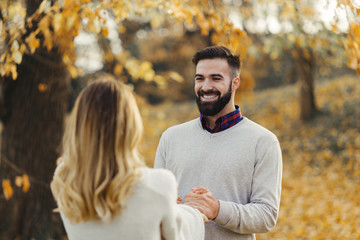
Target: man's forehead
point(212, 66)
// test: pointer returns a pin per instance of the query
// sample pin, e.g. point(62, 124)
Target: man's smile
point(209, 97)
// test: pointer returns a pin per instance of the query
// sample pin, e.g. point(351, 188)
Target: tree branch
point(20, 171)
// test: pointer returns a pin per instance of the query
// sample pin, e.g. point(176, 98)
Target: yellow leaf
point(22, 48)
point(307, 11)
point(298, 42)
point(7, 68)
point(307, 54)
point(7, 189)
point(312, 43)
point(32, 42)
point(2, 57)
point(42, 6)
point(122, 30)
point(68, 4)
point(2, 70)
point(156, 21)
point(97, 25)
point(105, 31)
point(145, 66)
point(58, 22)
point(352, 63)
point(2, 28)
point(14, 73)
point(48, 42)
point(71, 20)
point(148, 75)
point(15, 46)
point(177, 77)
point(118, 69)
point(18, 181)
point(17, 56)
point(66, 58)
point(160, 81)
point(16, 9)
point(90, 26)
point(288, 10)
point(44, 24)
point(26, 183)
point(73, 72)
point(42, 87)
point(334, 27)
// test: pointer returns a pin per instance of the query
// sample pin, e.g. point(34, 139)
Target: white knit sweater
point(241, 166)
point(151, 213)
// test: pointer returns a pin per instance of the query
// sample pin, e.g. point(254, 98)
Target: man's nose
point(207, 85)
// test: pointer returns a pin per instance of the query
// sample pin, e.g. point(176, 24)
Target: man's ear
point(236, 83)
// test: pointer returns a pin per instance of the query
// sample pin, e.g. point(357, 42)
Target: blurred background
point(299, 78)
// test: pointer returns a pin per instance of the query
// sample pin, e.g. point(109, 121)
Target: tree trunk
point(32, 132)
point(305, 65)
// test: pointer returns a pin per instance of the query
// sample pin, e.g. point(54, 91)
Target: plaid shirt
point(224, 122)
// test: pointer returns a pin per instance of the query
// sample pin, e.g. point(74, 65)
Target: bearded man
point(227, 166)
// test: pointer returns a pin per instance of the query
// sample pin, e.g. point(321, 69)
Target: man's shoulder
point(185, 127)
point(256, 130)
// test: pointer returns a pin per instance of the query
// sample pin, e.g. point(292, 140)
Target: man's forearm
point(245, 219)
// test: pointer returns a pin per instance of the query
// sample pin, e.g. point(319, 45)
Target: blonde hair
point(100, 164)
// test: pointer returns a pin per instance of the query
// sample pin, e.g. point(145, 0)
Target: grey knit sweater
point(241, 166)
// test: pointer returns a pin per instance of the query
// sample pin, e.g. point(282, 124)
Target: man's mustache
point(202, 92)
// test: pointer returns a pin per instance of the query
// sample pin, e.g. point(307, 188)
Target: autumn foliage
point(20, 181)
point(321, 156)
point(56, 25)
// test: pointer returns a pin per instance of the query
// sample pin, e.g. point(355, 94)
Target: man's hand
point(202, 199)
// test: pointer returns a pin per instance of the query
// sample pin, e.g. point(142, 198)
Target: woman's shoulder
point(159, 180)
point(159, 175)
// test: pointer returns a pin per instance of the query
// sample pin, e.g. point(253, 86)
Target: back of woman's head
point(100, 162)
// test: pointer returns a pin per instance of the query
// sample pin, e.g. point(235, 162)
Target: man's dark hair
point(219, 52)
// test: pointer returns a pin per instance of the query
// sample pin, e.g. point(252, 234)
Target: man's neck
point(212, 119)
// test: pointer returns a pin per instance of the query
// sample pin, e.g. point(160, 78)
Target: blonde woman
point(101, 185)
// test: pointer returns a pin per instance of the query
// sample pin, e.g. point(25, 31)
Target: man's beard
point(213, 108)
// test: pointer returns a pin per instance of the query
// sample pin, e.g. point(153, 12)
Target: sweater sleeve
point(192, 224)
point(170, 222)
point(260, 214)
point(160, 154)
point(180, 222)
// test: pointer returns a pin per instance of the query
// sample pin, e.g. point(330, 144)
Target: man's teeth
point(209, 96)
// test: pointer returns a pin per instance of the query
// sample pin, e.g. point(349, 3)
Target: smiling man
point(227, 166)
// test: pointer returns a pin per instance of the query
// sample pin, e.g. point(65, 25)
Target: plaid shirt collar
point(223, 122)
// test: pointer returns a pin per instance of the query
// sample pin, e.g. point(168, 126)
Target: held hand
point(200, 190)
point(179, 200)
point(202, 199)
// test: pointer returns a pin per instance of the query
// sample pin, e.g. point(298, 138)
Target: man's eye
point(216, 79)
point(198, 79)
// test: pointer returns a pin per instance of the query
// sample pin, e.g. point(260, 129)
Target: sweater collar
point(224, 122)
